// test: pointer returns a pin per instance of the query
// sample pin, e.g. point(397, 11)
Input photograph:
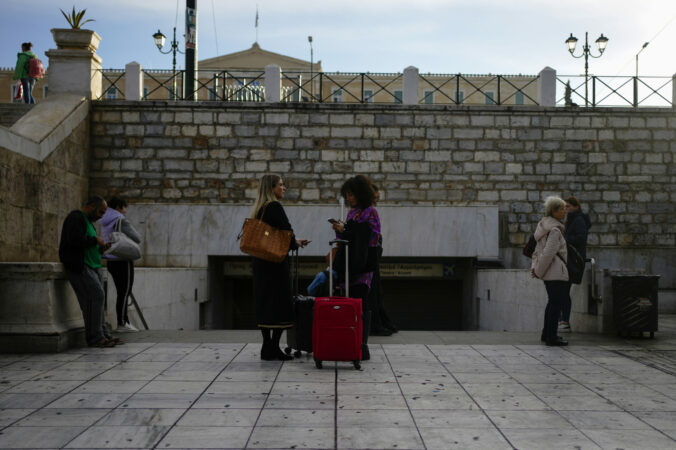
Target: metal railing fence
point(608, 91)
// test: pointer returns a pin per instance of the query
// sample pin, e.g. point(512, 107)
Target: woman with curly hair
point(362, 230)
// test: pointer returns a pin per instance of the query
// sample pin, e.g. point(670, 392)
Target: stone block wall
point(618, 161)
point(35, 197)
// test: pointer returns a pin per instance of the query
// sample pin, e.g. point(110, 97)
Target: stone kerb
point(618, 161)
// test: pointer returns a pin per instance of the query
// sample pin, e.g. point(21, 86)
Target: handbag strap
point(118, 225)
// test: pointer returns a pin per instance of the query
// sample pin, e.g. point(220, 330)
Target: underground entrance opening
point(419, 293)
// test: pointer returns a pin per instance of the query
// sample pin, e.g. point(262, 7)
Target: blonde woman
point(549, 265)
point(271, 281)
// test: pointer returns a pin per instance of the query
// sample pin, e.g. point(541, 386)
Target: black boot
point(275, 351)
point(366, 328)
point(266, 354)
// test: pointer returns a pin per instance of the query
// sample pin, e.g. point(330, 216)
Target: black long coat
point(272, 282)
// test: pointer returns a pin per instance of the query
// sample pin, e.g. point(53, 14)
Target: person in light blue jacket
point(122, 271)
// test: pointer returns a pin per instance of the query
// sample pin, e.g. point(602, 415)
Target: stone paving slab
point(607, 394)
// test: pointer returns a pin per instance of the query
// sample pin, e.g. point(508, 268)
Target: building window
point(45, 90)
point(368, 96)
point(295, 97)
point(518, 98)
point(399, 97)
point(490, 98)
point(171, 93)
point(145, 92)
point(459, 97)
point(337, 96)
point(111, 93)
point(212, 94)
point(428, 97)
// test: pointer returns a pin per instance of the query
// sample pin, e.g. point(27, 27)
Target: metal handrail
point(611, 90)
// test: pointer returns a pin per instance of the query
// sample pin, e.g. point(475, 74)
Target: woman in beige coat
point(549, 265)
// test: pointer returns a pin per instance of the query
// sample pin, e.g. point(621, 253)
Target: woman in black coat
point(271, 281)
point(576, 232)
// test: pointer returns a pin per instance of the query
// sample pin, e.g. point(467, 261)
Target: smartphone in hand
point(333, 221)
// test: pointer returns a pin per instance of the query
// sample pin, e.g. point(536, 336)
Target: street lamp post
point(312, 91)
point(601, 42)
point(159, 41)
point(636, 77)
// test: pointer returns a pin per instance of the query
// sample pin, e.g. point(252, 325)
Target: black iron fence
point(597, 91)
point(387, 88)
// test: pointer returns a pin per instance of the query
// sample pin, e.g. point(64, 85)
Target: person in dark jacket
point(80, 252)
point(21, 71)
point(271, 280)
point(576, 231)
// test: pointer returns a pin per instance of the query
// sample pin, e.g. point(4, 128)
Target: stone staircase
point(11, 112)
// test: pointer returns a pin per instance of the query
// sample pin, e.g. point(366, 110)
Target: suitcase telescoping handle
point(347, 272)
point(296, 263)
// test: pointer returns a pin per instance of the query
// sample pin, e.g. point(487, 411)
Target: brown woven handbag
point(263, 241)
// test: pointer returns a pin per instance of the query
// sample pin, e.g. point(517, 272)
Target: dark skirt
point(272, 294)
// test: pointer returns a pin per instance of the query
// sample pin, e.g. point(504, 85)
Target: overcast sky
point(439, 36)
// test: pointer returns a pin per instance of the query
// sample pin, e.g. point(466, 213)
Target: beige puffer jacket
point(550, 241)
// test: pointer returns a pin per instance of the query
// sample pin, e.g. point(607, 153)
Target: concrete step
point(11, 112)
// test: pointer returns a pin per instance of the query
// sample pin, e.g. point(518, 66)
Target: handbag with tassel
point(260, 240)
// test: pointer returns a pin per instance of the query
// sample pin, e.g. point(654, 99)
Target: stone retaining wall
point(619, 161)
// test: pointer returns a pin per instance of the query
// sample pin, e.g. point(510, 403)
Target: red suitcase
point(337, 323)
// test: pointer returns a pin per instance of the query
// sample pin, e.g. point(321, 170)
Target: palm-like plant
point(75, 18)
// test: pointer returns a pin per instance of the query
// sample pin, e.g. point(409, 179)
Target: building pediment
point(255, 58)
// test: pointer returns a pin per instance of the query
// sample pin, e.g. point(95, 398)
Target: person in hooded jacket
point(21, 71)
point(122, 271)
point(576, 231)
point(549, 265)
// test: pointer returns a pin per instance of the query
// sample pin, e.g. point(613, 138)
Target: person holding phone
point(271, 281)
point(362, 217)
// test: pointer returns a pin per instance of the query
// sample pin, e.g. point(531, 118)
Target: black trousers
point(362, 291)
point(557, 292)
point(123, 277)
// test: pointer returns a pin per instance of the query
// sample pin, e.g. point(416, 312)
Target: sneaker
point(564, 327)
point(126, 328)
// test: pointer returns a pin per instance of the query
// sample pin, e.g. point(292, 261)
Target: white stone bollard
point(133, 81)
point(410, 86)
point(273, 83)
point(547, 87)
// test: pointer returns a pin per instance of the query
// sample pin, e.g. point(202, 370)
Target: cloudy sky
point(439, 36)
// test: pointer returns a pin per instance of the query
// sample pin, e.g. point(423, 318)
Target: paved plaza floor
point(170, 390)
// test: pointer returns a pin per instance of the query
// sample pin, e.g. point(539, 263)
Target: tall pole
point(586, 68)
point(312, 82)
point(174, 48)
point(190, 49)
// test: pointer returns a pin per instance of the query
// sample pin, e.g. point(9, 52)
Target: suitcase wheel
point(357, 364)
point(287, 350)
point(297, 353)
point(318, 363)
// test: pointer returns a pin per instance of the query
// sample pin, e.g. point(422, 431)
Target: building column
point(133, 81)
point(74, 66)
point(273, 83)
point(547, 87)
point(410, 96)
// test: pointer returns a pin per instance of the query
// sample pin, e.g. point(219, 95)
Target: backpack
point(35, 68)
point(529, 248)
point(575, 264)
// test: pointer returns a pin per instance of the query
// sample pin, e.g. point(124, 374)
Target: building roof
point(255, 58)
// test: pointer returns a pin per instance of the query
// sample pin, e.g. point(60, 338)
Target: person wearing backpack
point(576, 231)
point(21, 72)
point(549, 265)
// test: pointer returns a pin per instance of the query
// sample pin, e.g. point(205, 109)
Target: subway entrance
point(419, 293)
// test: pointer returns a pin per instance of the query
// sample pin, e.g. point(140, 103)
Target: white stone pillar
point(410, 96)
point(74, 66)
point(133, 81)
point(547, 87)
point(273, 83)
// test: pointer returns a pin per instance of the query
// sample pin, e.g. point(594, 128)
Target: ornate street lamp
point(601, 42)
point(159, 42)
point(312, 82)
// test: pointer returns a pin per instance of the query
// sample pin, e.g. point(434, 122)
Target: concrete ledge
point(38, 309)
point(38, 133)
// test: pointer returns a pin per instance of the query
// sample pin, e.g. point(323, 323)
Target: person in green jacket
point(21, 71)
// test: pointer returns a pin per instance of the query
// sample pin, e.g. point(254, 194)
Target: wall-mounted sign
point(388, 270)
point(190, 28)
